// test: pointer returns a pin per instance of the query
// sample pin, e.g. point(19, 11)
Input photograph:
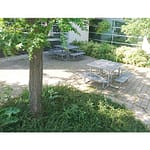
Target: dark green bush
point(8, 116)
point(107, 51)
point(97, 50)
point(66, 109)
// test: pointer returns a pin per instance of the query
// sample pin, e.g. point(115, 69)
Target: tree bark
point(35, 81)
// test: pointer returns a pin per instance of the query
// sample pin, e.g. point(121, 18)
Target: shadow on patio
point(135, 94)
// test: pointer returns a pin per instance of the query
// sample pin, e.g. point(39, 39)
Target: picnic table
point(72, 51)
point(69, 47)
point(105, 65)
point(109, 67)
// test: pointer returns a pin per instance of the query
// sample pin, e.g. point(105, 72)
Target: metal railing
point(110, 38)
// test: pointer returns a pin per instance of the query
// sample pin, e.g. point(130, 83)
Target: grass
point(66, 109)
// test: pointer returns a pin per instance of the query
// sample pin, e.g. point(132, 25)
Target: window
point(113, 36)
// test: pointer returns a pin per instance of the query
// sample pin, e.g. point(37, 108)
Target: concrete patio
point(135, 94)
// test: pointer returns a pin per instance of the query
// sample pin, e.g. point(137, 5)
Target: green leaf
point(7, 121)
point(11, 111)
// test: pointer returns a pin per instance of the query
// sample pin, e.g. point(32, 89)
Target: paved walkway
point(135, 94)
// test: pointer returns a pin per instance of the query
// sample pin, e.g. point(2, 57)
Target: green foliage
point(63, 38)
point(5, 94)
point(103, 26)
point(120, 53)
point(100, 25)
point(25, 34)
point(124, 54)
point(49, 93)
point(66, 109)
point(136, 27)
point(30, 34)
point(97, 50)
point(106, 51)
point(8, 116)
point(133, 56)
point(86, 46)
point(68, 24)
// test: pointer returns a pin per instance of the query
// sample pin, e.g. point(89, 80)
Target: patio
point(135, 94)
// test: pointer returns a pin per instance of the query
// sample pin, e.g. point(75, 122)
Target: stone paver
point(135, 94)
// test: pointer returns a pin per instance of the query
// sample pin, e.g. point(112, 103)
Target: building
point(54, 35)
point(112, 36)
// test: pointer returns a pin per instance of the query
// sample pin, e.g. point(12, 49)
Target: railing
point(110, 38)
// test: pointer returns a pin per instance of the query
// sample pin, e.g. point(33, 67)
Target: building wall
point(113, 35)
point(84, 35)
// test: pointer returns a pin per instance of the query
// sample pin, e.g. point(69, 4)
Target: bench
point(96, 78)
point(77, 54)
point(123, 78)
point(58, 53)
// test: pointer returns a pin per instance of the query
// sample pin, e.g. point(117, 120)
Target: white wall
point(84, 35)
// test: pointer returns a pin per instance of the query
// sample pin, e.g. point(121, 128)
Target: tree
point(103, 26)
point(136, 27)
point(30, 34)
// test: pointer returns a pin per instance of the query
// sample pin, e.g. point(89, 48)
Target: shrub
point(133, 56)
point(120, 53)
point(5, 94)
point(88, 47)
point(124, 54)
point(66, 109)
point(97, 50)
point(107, 51)
point(8, 116)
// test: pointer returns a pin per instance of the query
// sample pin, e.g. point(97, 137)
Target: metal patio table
point(107, 66)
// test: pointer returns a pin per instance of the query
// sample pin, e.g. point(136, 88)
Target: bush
point(133, 56)
point(97, 50)
point(5, 94)
point(66, 109)
point(120, 53)
point(8, 116)
point(124, 54)
point(107, 51)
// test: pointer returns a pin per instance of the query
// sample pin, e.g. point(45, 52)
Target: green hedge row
point(124, 54)
point(97, 50)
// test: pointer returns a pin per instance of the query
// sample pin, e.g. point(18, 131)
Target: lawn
point(66, 109)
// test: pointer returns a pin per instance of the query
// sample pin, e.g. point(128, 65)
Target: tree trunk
point(35, 81)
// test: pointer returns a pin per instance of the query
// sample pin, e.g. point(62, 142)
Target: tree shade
point(30, 34)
